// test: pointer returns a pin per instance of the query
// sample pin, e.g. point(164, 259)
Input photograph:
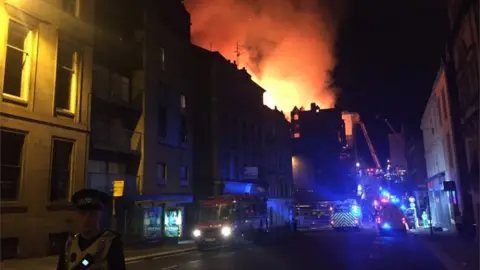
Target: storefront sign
point(250, 173)
point(173, 222)
point(152, 224)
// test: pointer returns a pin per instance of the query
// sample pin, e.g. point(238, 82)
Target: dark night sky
point(388, 54)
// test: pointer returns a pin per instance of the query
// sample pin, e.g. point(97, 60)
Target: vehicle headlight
point(197, 233)
point(226, 231)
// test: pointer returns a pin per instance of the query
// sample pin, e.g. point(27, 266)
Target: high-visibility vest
point(98, 250)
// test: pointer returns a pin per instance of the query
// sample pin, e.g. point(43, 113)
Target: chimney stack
point(313, 107)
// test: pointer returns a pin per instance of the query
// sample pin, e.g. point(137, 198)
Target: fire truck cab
point(230, 219)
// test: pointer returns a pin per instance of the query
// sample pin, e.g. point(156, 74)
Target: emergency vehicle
point(346, 215)
point(229, 220)
point(312, 217)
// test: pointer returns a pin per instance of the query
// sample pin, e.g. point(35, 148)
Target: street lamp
point(358, 164)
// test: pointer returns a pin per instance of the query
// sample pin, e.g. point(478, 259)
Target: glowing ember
point(286, 47)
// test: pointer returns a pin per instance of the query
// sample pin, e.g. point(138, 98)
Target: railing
point(115, 138)
point(104, 182)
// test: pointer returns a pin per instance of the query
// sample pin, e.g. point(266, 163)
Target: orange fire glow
point(286, 47)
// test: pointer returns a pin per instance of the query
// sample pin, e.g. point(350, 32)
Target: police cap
point(90, 199)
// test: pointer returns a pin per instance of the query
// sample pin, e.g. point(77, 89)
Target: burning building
point(319, 150)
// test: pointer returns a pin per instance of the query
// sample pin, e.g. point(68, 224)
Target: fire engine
point(229, 220)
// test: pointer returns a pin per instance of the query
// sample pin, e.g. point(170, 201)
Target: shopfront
point(441, 203)
point(163, 218)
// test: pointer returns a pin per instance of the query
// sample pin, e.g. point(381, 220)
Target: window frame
point(22, 163)
point(75, 79)
point(71, 171)
point(76, 12)
point(28, 66)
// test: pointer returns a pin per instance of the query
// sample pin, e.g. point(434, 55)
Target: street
point(311, 250)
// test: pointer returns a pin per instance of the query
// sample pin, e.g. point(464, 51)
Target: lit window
point(296, 135)
point(18, 61)
point(11, 164)
point(62, 160)
point(183, 101)
point(70, 7)
point(295, 116)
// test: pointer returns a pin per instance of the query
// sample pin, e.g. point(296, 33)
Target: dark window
point(61, 170)
point(16, 59)
point(65, 80)
point(56, 242)
point(11, 145)
point(183, 129)
point(9, 247)
point(184, 175)
point(162, 122)
point(161, 173)
point(70, 7)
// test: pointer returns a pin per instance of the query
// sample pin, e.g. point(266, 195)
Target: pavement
point(324, 249)
point(320, 249)
point(131, 255)
point(454, 252)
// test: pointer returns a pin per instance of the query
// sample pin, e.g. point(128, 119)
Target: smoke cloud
point(286, 45)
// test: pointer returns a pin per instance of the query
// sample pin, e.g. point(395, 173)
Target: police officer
point(92, 248)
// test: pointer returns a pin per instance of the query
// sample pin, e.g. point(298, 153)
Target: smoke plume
point(286, 45)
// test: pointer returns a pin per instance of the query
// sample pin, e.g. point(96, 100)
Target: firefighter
point(91, 248)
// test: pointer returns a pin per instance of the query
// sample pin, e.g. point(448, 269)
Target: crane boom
point(370, 145)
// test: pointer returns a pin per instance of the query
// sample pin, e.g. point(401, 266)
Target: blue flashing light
point(380, 188)
point(395, 200)
point(385, 193)
point(386, 226)
point(403, 207)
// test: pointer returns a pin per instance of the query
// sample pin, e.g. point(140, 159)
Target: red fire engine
point(230, 219)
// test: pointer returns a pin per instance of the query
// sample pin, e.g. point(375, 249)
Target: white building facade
point(440, 156)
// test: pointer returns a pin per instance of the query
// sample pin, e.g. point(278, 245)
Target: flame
point(286, 46)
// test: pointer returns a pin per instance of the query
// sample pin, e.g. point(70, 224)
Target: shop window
point(152, 222)
point(66, 77)
point(296, 135)
point(61, 172)
point(18, 61)
point(9, 247)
